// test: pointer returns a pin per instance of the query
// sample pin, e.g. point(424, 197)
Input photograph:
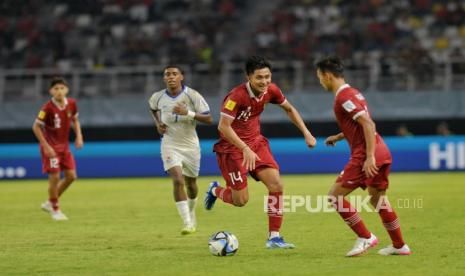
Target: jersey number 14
point(235, 177)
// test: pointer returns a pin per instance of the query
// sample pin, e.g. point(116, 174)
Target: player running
point(243, 149)
point(51, 128)
point(175, 111)
point(369, 164)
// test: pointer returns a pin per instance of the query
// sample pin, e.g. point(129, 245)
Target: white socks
point(273, 234)
point(186, 209)
point(192, 203)
point(183, 210)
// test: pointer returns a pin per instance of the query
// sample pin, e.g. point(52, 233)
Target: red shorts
point(235, 174)
point(353, 177)
point(62, 161)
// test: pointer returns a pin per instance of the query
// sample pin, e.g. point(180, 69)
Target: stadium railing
point(218, 79)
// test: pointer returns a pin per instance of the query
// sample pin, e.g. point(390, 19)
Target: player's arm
point(295, 117)
point(183, 111)
point(161, 127)
point(249, 156)
point(76, 125)
point(369, 130)
point(37, 129)
point(333, 139)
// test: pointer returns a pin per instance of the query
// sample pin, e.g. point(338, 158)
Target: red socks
point(225, 194)
point(350, 215)
point(388, 216)
point(275, 211)
point(54, 202)
point(391, 223)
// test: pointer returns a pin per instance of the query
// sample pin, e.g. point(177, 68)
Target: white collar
point(342, 87)
point(58, 105)
point(249, 89)
point(251, 94)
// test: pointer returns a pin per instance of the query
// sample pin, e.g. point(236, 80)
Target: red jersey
point(349, 104)
point(245, 108)
point(56, 122)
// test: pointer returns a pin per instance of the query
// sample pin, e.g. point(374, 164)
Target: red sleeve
point(75, 108)
point(43, 113)
point(231, 105)
point(277, 96)
point(351, 105)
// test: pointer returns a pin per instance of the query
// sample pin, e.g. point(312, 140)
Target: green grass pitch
point(131, 227)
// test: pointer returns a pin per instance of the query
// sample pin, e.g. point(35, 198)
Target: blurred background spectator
point(386, 36)
point(90, 34)
point(443, 129)
point(403, 131)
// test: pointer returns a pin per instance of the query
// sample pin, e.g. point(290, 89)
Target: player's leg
point(235, 175)
point(53, 181)
point(52, 205)
point(390, 222)
point(227, 194)
point(350, 179)
point(191, 187)
point(388, 216)
point(69, 168)
point(65, 182)
point(237, 196)
point(180, 198)
point(172, 163)
point(190, 170)
point(348, 213)
point(52, 167)
point(192, 191)
point(272, 180)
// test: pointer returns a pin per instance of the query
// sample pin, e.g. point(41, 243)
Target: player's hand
point(161, 128)
point(49, 151)
point(310, 140)
point(332, 140)
point(79, 143)
point(369, 167)
point(180, 109)
point(249, 158)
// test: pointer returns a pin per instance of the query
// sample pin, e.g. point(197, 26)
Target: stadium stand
point(113, 52)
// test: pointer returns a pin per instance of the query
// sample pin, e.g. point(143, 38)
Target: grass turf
point(131, 227)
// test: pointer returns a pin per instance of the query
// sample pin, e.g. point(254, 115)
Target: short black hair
point(58, 80)
point(173, 66)
point(332, 64)
point(256, 62)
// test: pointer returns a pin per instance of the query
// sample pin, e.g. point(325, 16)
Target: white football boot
point(188, 229)
point(46, 206)
point(391, 250)
point(58, 215)
point(362, 245)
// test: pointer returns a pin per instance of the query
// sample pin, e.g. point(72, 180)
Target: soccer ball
point(223, 243)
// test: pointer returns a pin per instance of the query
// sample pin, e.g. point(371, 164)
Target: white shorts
point(187, 159)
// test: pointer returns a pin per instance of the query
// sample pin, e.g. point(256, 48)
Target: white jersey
point(180, 132)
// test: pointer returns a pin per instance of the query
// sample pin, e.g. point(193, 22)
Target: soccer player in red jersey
point(242, 149)
point(51, 128)
point(369, 164)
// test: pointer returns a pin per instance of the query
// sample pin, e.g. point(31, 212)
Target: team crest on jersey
point(230, 105)
point(41, 115)
point(349, 106)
